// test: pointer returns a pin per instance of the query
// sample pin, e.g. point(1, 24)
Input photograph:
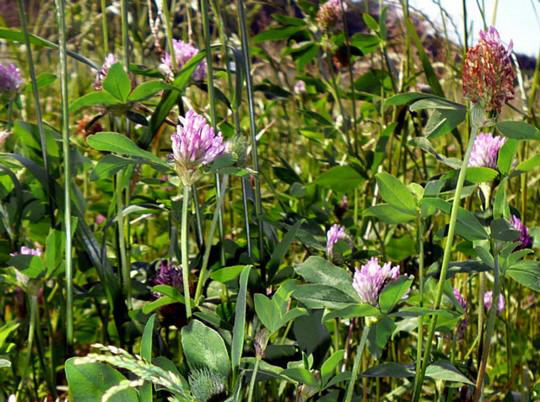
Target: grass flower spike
point(371, 278)
point(194, 144)
point(485, 150)
point(488, 76)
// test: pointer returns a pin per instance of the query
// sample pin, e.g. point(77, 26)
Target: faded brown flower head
point(330, 15)
point(488, 76)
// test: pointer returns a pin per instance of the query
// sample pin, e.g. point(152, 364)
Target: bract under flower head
point(485, 150)
point(371, 278)
point(488, 76)
point(194, 144)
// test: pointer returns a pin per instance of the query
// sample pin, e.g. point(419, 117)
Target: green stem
point(169, 33)
point(253, 377)
point(208, 243)
point(184, 250)
point(356, 365)
point(126, 279)
point(253, 130)
point(420, 334)
point(446, 258)
point(490, 328)
point(39, 118)
point(60, 15)
point(125, 36)
point(104, 29)
point(31, 331)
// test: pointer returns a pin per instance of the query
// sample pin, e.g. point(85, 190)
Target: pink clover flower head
point(194, 145)
point(461, 300)
point(334, 234)
point(169, 274)
point(10, 79)
point(525, 239)
point(488, 301)
point(100, 219)
point(330, 15)
point(485, 150)
point(488, 76)
point(28, 251)
point(371, 278)
point(300, 87)
point(103, 71)
point(183, 52)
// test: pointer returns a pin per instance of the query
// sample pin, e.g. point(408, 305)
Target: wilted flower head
point(485, 150)
point(371, 278)
point(27, 251)
point(168, 274)
point(460, 299)
point(525, 238)
point(330, 15)
point(488, 301)
point(488, 76)
point(194, 144)
point(300, 87)
point(103, 71)
point(10, 79)
point(183, 52)
point(334, 234)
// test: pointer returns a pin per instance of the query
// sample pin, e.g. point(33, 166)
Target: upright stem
point(420, 335)
point(184, 250)
point(490, 328)
point(253, 130)
point(168, 30)
point(35, 92)
point(212, 99)
point(126, 279)
point(253, 377)
point(125, 36)
point(356, 365)
point(31, 332)
point(60, 15)
point(104, 28)
point(446, 257)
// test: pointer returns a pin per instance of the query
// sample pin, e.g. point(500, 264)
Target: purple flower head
point(329, 16)
point(10, 79)
point(525, 239)
point(27, 251)
point(485, 150)
point(183, 52)
point(461, 300)
point(168, 274)
point(488, 301)
point(335, 234)
point(300, 87)
point(371, 278)
point(103, 71)
point(194, 144)
point(488, 76)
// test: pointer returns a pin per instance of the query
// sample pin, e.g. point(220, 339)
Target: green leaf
point(329, 367)
point(340, 179)
point(395, 193)
point(393, 292)
point(205, 348)
point(120, 144)
point(89, 382)
point(92, 99)
point(442, 121)
point(391, 369)
point(169, 291)
point(146, 354)
point(506, 155)
point(353, 311)
point(518, 130)
point(239, 320)
point(277, 34)
point(268, 312)
point(526, 273)
point(502, 230)
point(147, 90)
point(281, 249)
point(379, 333)
point(227, 274)
point(320, 271)
point(322, 296)
point(529, 164)
point(156, 304)
point(365, 43)
point(389, 214)
point(54, 251)
point(444, 370)
point(480, 174)
point(436, 103)
point(405, 98)
point(301, 376)
point(108, 166)
point(117, 82)
point(30, 265)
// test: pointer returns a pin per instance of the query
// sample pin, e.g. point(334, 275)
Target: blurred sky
point(517, 20)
